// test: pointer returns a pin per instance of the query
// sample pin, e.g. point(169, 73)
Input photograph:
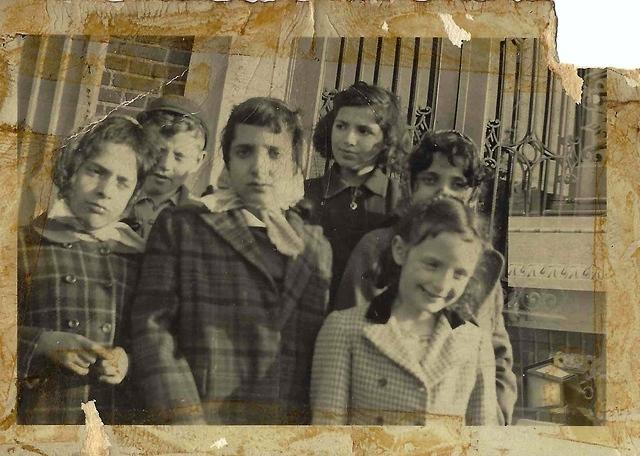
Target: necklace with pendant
point(355, 194)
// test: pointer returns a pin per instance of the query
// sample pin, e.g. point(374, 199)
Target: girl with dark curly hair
point(358, 137)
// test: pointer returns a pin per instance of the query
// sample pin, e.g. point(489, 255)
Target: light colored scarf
point(279, 231)
point(62, 226)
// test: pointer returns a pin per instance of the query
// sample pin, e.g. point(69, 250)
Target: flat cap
point(180, 105)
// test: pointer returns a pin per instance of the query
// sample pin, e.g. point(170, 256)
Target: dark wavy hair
point(456, 147)
point(82, 146)
point(386, 109)
point(443, 214)
point(271, 113)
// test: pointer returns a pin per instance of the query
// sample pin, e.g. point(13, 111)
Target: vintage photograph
point(379, 231)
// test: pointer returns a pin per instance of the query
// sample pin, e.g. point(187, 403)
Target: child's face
point(259, 162)
point(434, 272)
point(180, 156)
point(103, 185)
point(441, 178)
point(356, 137)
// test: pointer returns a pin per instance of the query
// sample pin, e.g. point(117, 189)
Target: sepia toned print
point(545, 185)
point(538, 180)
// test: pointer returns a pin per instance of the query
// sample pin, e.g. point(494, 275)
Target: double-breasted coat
point(80, 287)
point(363, 375)
point(217, 339)
point(359, 285)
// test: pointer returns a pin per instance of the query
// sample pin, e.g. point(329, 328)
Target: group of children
point(245, 307)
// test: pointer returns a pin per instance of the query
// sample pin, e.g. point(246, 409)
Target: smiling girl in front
point(416, 350)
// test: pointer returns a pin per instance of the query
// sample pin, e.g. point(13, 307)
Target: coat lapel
point(447, 348)
point(385, 340)
point(297, 272)
point(231, 227)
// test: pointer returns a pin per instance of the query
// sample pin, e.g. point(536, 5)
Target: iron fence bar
point(434, 78)
point(516, 95)
point(455, 111)
point(546, 137)
point(563, 148)
point(501, 74)
point(530, 135)
point(514, 118)
point(359, 60)
point(396, 65)
point(376, 69)
point(532, 96)
point(497, 154)
point(414, 81)
point(339, 69)
point(580, 134)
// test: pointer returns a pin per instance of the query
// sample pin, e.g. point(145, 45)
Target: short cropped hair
point(386, 109)
point(271, 113)
point(456, 147)
point(113, 129)
point(169, 123)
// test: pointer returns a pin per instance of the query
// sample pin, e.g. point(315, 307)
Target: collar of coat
point(232, 227)
point(454, 341)
point(180, 197)
point(377, 182)
point(379, 310)
point(120, 237)
point(468, 307)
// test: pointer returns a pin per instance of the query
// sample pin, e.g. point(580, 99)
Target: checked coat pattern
point(359, 286)
point(80, 287)
point(362, 374)
point(217, 339)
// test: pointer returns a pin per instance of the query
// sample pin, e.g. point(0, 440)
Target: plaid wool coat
point(217, 340)
point(359, 285)
point(363, 375)
point(79, 287)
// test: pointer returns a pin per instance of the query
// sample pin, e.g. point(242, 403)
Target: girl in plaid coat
point(409, 355)
point(77, 268)
point(233, 291)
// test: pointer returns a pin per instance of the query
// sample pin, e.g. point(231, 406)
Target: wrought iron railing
point(545, 153)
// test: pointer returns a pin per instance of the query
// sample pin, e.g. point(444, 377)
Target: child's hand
point(73, 351)
point(113, 365)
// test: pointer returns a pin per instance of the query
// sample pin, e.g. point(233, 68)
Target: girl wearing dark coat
point(358, 137)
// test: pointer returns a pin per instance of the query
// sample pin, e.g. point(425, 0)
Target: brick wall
point(139, 68)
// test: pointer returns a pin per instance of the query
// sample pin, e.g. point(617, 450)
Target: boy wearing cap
point(177, 124)
point(233, 291)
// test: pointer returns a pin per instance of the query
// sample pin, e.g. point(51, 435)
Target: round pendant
point(353, 205)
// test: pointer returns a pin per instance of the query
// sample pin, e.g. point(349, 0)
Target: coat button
point(106, 328)
point(70, 278)
point(382, 382)
point(104, 251)
point(73, 323)
point(379, 421)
